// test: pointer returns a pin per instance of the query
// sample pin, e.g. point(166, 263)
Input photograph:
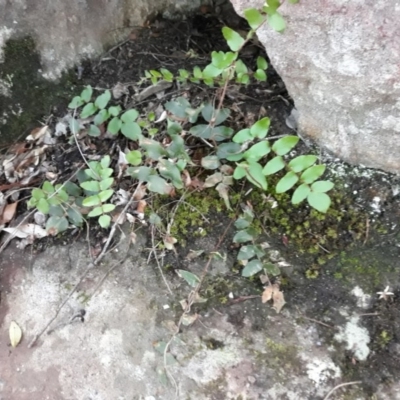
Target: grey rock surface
point(67, 32)
point(243, 350)
point(340, 61)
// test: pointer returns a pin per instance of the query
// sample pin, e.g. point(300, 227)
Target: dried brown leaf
point(27, 230)
point(15, 333)
point(8, 213)
point(279, 300)
point(37, 133)
point(142, 204)
point(187, 179)
point(272, 292)
point(267, 294)
point(133, 237)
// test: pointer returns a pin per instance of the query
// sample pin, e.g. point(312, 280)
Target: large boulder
point(340, 61)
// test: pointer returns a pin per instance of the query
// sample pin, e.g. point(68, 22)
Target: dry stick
point(366, 230)
point(314, 320)
point(341, 385)
point(116, 264)
point(191, 298)
point(90, 266)
point(158, 263)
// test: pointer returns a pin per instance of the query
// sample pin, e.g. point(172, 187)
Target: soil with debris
point(334, 328)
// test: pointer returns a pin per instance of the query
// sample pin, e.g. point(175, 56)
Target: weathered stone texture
point(67, 31)
point(340, 61)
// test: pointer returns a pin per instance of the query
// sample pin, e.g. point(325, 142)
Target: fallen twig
point(90, 266)
point(244, 298)
point(191, 298)
point(366, 230)
point(158, 263)
point(341, 385)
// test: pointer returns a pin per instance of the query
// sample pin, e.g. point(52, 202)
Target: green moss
point(368, 269)
point(319, 237)
point(384, 338)
point(31, 96)
point(197, 211)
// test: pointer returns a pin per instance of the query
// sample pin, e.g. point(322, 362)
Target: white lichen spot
point(321, 370)
point(391, 123)
point(5, 34)
point(363, 299)
point(356, 338)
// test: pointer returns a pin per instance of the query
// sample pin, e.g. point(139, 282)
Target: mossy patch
point(31, 97)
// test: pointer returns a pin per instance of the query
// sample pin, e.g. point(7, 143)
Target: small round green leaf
point(253, 17)
point(105, 162)
point(242, 223)
point(284, 145)
point(101, 116)
point(48, 187)
point(104, 221)
point(170, 171)
point(114, 126)
point(240, 67)
point(287, 182)
point(134, 157)
point(140, 173)
point(243, 136)
point(130, 115)
point(105, 195)
point(262, 63)
point(131, 130)
point(301, 163)
point(72, 189)
point(91, 186)
point(108, 208)
point(257, 151)
point(246, 252)
point(76, 102)
point(106, 183)
point(38, 194)
point(202, 131)
point(86, 94)
point(56, 224)
point(91, 201)
point(260, 128)
point(75, 216)
point(228, 149)
point(95, 212)
point(158, 185)
point(114, 110)
point(94, 131)
point(43, 206)
point(320, 201)
point(242, 237)
point(102, 100)
point(234, 40)
point(190, 278)
point(210, 162)
point(220, 133)
point(255, 175)
point(272, 269)
point(252, 268)
point(211, 71)
point(56, 211)
point(260, 75)
point(276, 22)
point(239, 173)
point(300, 193)
point(274, 165)
point(313, 173)
point(322, 186)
